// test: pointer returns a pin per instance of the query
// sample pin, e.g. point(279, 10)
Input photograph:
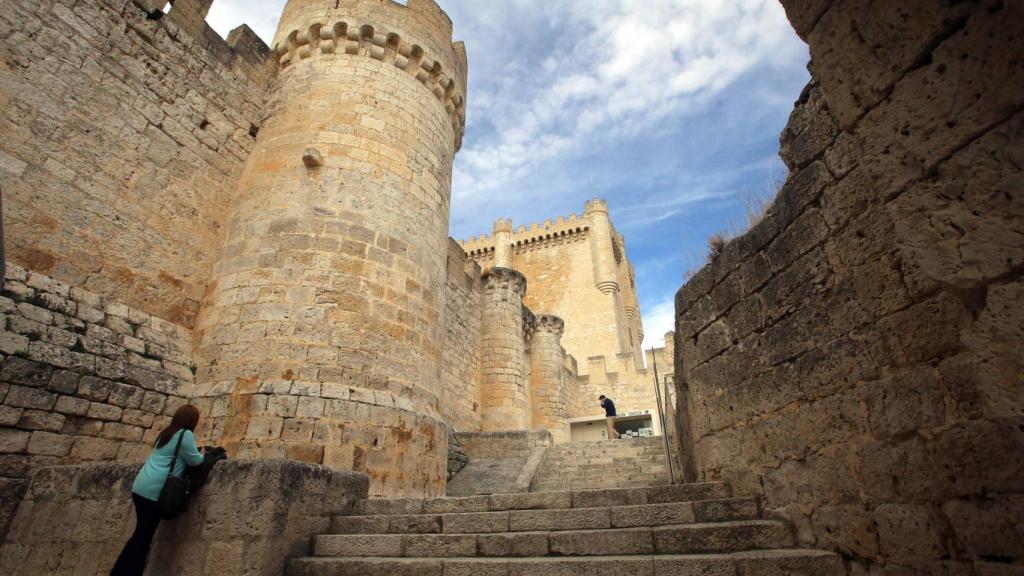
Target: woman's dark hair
point(185, 418)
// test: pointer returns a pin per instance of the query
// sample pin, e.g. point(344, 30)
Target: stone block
point(611, 497)
point(23, 397)
point(438, 545)
point(730, 537)
point(775, 562)
point(94, 449)
point(125, 396)
point(725, 510)
point(621, 566)
point(13, 441)
point(452, 505)
point(49, 444)
point(39, 420)
point(101, 411)
point(10, 415)
point(369, 525)
point(380, 545)
point(909, 533)
point(152, 402)
point(412, 523)
point(476, 522)
point(512, 544)
point(64, 382)
point(117, 431)
point(11, 343)
point(309, 407)
point(23, 371)
point(138, 418)
point(573, 519)
point(652, 515)
point(96, 389)
point(604, 542)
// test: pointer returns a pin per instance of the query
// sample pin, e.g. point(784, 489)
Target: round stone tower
point(326, 297)
point(550, 410)
point(504, 367)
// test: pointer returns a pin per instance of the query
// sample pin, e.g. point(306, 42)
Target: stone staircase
point(625, 463)
point(682, 530)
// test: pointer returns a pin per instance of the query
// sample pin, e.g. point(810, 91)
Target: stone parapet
point(250, 518)
point(401, 36)
point(341, 426)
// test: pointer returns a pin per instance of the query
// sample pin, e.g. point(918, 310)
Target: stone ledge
point(250, 518)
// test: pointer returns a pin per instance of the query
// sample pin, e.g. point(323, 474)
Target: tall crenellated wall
point(123, 139)
point(856, 357)
point(630, 387)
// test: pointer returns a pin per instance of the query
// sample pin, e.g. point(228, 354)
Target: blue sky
point(669, 109)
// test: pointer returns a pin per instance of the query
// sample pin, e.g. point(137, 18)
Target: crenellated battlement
point(596, 205)
point(189, 16)
point(342, 37)
point(562, 228)
point(623, 368)
point(415, 38)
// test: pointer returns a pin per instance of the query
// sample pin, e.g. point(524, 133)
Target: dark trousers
point(132, 561)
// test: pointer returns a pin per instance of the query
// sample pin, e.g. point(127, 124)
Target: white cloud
point(627, 65)
point(657, 321)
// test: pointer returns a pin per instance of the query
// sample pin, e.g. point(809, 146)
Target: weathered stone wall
point(460, 349)
point(122, 139)
point(249, 519)
point(83, 378)
point(857, 356)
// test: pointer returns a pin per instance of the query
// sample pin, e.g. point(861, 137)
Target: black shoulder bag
point(174, 495)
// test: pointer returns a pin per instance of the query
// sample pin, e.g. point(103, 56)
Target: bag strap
point(176, 448)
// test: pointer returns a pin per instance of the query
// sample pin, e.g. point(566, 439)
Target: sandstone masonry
point(856, 357)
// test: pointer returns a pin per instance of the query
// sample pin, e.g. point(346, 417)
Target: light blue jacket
point(150, 480)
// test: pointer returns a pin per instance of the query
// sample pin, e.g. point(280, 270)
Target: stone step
point(625, 483)
point(792, 562)
point(718, 537)
point(546, 500)
point(673, 513)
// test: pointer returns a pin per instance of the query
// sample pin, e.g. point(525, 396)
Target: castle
point(262, 231)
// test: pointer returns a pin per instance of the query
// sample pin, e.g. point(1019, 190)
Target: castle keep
point(262, 231)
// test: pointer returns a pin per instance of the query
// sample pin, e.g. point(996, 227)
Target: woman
point(149, 482)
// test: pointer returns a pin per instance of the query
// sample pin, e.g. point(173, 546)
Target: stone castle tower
point(335, 253)
point(577, 268)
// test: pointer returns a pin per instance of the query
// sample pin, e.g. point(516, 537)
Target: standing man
point(609, 415)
